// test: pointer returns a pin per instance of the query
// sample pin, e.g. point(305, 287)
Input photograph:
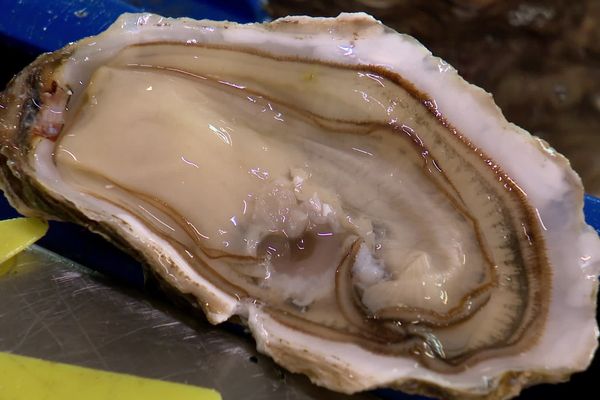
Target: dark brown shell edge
point(18, 112)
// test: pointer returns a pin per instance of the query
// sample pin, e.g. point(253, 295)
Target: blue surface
point(591, 209)
point(51, 24)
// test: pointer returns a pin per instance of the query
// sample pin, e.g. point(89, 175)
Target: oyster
point(371, 217)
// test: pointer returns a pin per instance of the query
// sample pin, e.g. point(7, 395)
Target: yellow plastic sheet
point(19, 233)
point(26, 378)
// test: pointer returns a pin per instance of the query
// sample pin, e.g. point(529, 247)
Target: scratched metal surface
point(54, 309)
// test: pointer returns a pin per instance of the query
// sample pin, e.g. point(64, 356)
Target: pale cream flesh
point(328, 194)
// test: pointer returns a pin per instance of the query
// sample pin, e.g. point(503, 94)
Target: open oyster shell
point(371, 216)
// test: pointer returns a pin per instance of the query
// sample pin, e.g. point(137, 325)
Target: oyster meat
point(372, 217)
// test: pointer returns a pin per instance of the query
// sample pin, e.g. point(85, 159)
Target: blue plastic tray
point(49, 25)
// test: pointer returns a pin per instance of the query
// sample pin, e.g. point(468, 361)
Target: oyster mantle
point(372, 217)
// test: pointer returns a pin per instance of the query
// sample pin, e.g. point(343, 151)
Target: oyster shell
point(371, 216)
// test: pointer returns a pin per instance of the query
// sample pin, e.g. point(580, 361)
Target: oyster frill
point(372, 217)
